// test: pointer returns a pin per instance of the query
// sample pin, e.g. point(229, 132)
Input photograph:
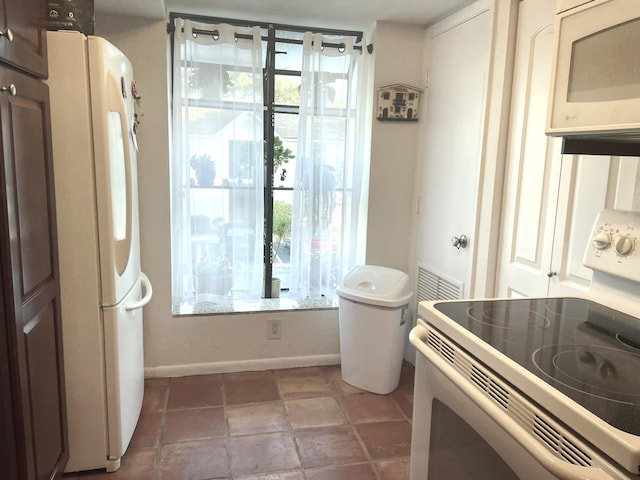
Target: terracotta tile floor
point(293, 424)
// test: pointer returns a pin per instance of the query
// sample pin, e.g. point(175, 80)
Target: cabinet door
point(587, 185)
point(23, 40)
point(533, 161)
point(8, 454)
point(32, 292)
point(550, 200)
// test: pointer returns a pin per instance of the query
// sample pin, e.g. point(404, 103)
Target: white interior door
point(550, 200)
point(458, 65)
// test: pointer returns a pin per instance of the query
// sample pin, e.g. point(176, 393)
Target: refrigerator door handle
point(148, 293)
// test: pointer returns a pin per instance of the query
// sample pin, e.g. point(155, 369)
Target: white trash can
point(372, 314)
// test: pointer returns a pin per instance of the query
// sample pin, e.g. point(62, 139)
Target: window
point(269, 137)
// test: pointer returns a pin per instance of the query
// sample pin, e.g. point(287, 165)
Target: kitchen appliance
point(595, 88)
point(535, 388)
point(102, 287)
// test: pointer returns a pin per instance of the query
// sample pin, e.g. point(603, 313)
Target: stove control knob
point(602, 241)
point(625, 245)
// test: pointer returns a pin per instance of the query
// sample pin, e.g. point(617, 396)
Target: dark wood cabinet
point(23, 36)
point(8, 451)
point(33, 435)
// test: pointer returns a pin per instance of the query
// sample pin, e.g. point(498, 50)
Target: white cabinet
point(564, 5)
point(550, 200)
point(587, 185)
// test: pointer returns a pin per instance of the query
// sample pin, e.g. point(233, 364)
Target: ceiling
point(352, 14)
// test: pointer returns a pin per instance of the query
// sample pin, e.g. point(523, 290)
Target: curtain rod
point(171, 29)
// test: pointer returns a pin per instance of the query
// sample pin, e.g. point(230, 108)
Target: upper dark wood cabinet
point(33, 429)
point(23, 36)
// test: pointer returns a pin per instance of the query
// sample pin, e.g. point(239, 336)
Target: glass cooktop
point(588, 351)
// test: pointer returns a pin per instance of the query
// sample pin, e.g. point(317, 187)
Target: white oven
point(535, 388)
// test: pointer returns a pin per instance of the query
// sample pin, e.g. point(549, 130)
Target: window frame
point(270, 107)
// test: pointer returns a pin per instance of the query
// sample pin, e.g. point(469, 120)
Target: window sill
point(264, 305)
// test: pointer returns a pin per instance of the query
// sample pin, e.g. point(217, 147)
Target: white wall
point(398, 59)
point(198, 344)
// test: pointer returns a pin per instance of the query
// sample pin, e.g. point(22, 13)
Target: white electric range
point(535, 388)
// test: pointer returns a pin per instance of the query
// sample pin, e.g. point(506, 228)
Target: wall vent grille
point(432, 286)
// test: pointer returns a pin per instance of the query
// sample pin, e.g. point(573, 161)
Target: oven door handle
point(554, 465)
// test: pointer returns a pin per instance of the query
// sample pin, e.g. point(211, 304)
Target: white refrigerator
point(102, 287)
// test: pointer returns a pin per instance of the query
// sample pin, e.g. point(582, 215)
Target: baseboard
point(241, 366)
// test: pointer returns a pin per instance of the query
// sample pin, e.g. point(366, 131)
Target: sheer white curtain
point(331, 179)
point(217, 169)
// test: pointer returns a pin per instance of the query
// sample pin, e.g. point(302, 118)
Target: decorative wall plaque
point(398, 102)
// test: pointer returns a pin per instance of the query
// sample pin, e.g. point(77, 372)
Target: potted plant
point(282, 212)
point(205, 169)
point(281, 155)
point(281, 234)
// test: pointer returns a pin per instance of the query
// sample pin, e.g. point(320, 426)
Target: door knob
point(551, 273)
point(11, 90)
point(460, 242)
point(8, 34)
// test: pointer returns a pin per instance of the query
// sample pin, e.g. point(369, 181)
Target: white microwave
point(595, 85)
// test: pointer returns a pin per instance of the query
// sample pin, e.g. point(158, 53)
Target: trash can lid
point(375, 285)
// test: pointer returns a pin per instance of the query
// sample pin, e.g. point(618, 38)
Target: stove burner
point(588, 352)
point(507, 315)
point(603, 372)
point(558, 307)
